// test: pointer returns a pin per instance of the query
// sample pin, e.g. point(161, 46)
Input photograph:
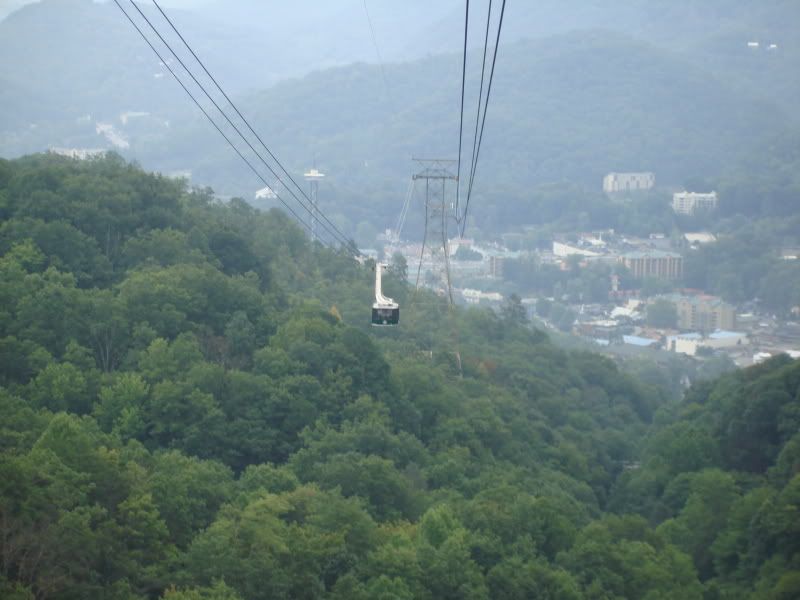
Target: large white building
point(564, 250)
point(687, 203)
point(628, 182)
point(690, 343)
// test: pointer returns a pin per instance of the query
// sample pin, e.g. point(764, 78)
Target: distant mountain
point(73, 63)
point(72, 58)
point(85, 57)
point(688, 103)
point(317, 33)
point(712, 34)
point(66, 59)
point(568, 108)
point(86, 54)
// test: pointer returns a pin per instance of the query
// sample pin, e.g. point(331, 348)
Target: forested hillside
point(194, 407)
point(565, 109)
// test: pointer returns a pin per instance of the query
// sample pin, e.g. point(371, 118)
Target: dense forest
point(195, 407)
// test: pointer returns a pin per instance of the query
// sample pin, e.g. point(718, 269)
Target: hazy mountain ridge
point(76, 57)
point(564, 108)
point(569, 108)
point(251, 45)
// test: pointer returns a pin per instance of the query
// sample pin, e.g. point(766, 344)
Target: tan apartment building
point(703, 313)
point(653, 263)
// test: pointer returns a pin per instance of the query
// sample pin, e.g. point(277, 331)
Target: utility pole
point(436, 173)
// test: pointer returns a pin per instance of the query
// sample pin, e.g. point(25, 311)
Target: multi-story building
point(563, 250)
point(628, 182)
point(687, 203)
point(654, 263)
point(690, 343)
point(496, 266)
point(703, 313)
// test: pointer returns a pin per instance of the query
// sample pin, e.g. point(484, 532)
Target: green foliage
point(745, 263)
point(218, 591)
point(514, 579)
point(719, 477)
point(589, 284)
point(188, 492)
point(620, 557)
point(514, 311)
point(198, 422)
point(662, 313)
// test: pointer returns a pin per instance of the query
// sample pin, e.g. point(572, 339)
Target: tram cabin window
point(385, 316)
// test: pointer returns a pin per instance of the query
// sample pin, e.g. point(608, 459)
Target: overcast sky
point(9, 6)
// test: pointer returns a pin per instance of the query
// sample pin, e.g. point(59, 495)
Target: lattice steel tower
point(313, 176)
point(435, 172)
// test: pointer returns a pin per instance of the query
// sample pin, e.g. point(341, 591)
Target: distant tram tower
point(313, 176)
point(435, 252)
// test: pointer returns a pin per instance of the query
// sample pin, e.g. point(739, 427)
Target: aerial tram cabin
point(385, 311)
